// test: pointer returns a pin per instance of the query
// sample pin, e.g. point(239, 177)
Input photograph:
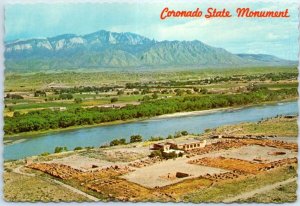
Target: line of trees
point(47, 119)
point(217, 79)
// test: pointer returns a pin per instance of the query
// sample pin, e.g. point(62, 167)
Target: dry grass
point(285, 193)
point(23, 188)
point(282, 127)
point(232, 188)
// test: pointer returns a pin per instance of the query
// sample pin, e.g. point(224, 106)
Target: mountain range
point(105, 49)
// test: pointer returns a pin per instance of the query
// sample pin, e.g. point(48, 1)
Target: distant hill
point(104, 49)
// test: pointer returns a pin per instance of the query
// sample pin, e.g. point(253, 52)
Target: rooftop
point(186, 141)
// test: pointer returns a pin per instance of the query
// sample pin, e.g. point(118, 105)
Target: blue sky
point(271, 36)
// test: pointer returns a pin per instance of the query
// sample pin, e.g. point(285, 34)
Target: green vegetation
point(115, 142)
point(60, 149)
point(25, 82)
point(114, 99)
point(45, 154)
point(156, 138)
point(280, 126)
point(47, 119)
point(78, 100)
point(136, 138)
point(14, 96)
point(164, 155)
point(228, 189)
point(65, 96)
point(22, 188)
point(282, 194)
point(78, 148)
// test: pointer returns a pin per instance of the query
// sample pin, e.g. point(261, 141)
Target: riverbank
point(33, 134)
point(203, 112)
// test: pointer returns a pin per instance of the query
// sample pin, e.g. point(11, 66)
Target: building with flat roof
point(187, 144)
point(183, 145)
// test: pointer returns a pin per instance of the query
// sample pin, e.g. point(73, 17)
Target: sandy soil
point(286, 139)
point(103, 158)
point(157, 174)
point(85, 163)
point(251, 152)
point(181, 114)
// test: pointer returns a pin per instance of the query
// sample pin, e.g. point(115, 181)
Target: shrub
point(155, 95)
point(120, 92)
point(170, 155)
point(170, 136)
point(207, 130)
point(177, 134)
point(136, 138)
point(184, 133)
point(89, 148)
point(45, 154)
point(78, 100)
point(77, 148)
point(65, 96)
point(114, 99)
point(17, 114)
point(146, 98)
point(156, 153)
point(60, 149)
point(203, 90)
point(115, 142)
point(156, 138)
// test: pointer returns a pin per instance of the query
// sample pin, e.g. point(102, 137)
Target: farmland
point(133, 95)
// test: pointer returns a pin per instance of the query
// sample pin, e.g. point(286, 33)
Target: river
point(97, 136)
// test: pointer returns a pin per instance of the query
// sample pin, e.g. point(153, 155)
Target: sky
point(276, 36)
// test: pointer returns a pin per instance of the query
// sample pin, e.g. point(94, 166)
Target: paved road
point(259, 190)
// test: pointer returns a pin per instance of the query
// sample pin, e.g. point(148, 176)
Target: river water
point(97, 136)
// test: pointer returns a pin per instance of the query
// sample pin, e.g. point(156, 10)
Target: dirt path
point(73, 189)
point(18, 171)
point(259, 190)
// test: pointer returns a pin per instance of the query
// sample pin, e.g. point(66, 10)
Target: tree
point(156, 153)
point(60, 149)
point(39, 93)
point(170, 155)
point(170, 136)
point(184, 133)
point(155, 95)
point(196, 89)
point(136, 138)
point(11, 109)
point(179, 92)
point(146, 98)
point(203, 90)
point(114, 99)
point(77, 148)
point(65, 96)
point(120, 92)
point(115, 142)
point(78, 100)
point(17, 114)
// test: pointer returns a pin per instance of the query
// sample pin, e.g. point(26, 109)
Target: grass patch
point(232, 188)
point(285, 193)
point(276, 126)
point(31, 189)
